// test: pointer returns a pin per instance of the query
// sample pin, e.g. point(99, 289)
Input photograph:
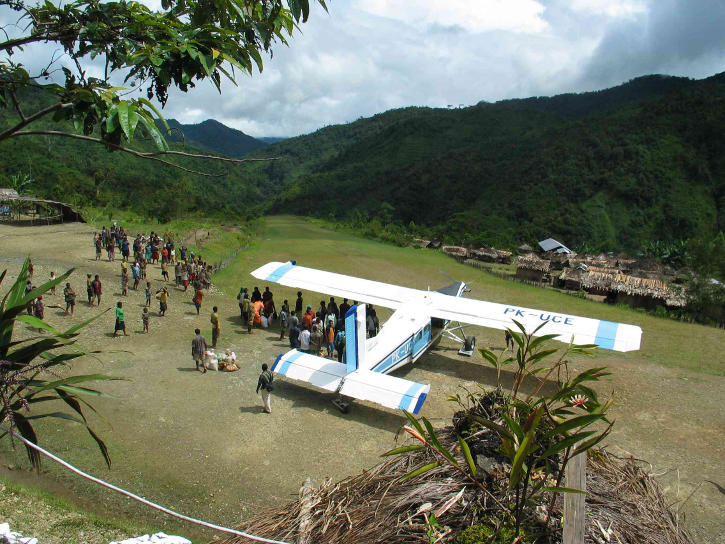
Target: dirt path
point(200, 443)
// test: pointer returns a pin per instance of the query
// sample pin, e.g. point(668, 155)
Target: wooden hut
point(457, 252)
point(491, 255)
point(634, 291)
point(531, 268)
point(28, 210)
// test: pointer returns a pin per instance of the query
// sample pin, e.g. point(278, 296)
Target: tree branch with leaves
point(146, 51)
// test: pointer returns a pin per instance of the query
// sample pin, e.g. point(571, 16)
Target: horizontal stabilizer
point(382, 389)
point(385, 390)
point(314, 370)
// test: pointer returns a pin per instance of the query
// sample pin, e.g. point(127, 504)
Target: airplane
point(420, 318)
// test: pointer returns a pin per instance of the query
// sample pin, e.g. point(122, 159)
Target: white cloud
point(473, 16)
point(612, 8)
point(367, 56)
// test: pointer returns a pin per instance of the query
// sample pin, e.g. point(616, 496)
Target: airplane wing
point(606, 334)
point(339, 285)
point(382, 389)
point(322, 373)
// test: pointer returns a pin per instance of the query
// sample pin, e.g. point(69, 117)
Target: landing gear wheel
point(342, 405)
point(469, 346)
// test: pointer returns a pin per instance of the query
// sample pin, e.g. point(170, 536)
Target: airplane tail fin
point(355, 351)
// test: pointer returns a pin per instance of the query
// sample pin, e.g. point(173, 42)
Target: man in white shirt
point(305, 340)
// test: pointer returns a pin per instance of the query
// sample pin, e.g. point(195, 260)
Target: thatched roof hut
point(30, 210)
point(419, 242)
point(532, 262)
point(531, 268)
point(634, 290)
point(456, 252)
point(491, 255)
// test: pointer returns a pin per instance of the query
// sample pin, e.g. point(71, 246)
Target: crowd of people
point(319, 332)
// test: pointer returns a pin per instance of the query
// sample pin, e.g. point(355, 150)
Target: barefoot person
point(120, 320)
point(215, 326)
point(198, 347)
point(145, 317)
point(97, 289)
point(163, 297)
point(69, 295)
point(265, 384)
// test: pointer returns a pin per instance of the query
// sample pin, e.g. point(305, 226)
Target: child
point(145, 319)
point(198, 296)
point(52, 277)
point(148, 293)
point(89, 289)
point(124, 283)
point(165, 270)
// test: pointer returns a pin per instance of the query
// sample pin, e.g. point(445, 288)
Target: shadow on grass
point(251, 409)
point(370, 415)
point(476, 370)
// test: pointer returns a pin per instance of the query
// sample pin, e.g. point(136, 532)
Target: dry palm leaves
point(624, 506)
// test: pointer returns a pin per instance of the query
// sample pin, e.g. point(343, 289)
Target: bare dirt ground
point(201, 444)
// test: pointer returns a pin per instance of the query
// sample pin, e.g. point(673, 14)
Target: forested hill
point(87, 174)
point(613, 169)
point(214, 136)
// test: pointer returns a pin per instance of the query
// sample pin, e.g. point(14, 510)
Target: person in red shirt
point(97, 292)
point(198, 297)
point(308, 318)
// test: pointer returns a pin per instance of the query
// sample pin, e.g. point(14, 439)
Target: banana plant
point(28, 377)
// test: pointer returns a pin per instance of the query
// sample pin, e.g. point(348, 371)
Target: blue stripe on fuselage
point(279, 272)
point(351, 347)
point(606, 334)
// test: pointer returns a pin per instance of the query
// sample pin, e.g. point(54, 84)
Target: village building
point(28, 210)
point(457, 252)
point(529, 267)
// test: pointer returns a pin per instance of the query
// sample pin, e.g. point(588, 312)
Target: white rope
point(136, 497)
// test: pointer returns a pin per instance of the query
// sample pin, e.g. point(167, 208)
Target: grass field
point(201, 444)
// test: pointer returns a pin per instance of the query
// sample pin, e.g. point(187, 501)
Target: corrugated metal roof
point(552, 245)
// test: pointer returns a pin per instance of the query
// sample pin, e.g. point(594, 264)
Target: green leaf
point(542, 339)
point(467, 456)
point(514, 426)
point(518, 461)
point(421, 470)
point(499, 429)
point(576, 422)
point(436, 443)
point(584, 446)
point(155, 110)
point(123, 119)
point(418, 427)
point(565, 443)
point(154, 132)
point(403, 449)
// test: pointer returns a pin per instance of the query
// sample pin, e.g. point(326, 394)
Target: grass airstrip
point(200, 443)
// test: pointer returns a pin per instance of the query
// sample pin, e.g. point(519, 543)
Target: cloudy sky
point(366, 56)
